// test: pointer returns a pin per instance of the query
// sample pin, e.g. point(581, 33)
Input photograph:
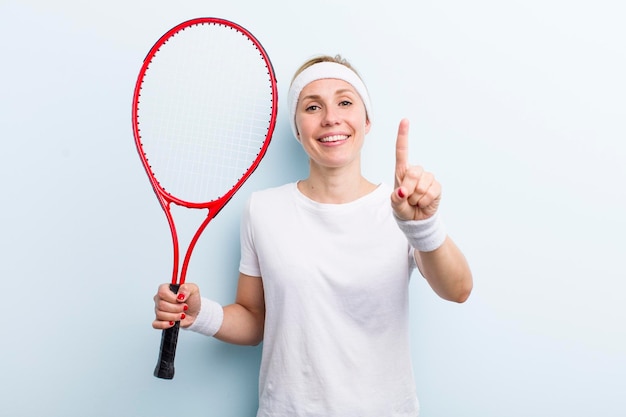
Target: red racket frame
point(165, 365)
point(165, 198)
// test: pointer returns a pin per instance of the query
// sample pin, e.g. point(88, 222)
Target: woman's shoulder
point(272, 195)
point(284, 189)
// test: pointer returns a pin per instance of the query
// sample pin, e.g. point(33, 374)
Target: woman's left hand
point(417, 193)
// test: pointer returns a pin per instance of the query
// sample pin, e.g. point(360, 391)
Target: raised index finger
point(402, 145)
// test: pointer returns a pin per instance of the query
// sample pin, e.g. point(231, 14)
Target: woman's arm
point(415, 202)
point(447, 271)
point(240, 323)
point(245, 319)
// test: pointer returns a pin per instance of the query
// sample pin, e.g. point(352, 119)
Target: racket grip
point(169, 338)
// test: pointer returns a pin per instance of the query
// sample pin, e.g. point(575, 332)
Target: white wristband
point(209, 318)
point(424, 235)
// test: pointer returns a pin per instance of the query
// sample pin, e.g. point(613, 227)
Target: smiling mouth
point(334, 138)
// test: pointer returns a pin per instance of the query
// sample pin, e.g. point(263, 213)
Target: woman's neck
point(335, 186)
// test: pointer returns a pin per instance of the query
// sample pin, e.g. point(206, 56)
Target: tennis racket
point(204, 110)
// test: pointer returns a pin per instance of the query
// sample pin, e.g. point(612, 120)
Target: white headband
point(319, 71)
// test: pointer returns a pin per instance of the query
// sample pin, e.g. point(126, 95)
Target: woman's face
point(331, 122)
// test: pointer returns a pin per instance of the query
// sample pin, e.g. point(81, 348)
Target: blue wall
point(517, 107)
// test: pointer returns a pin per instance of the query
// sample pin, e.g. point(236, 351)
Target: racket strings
point(204, 111)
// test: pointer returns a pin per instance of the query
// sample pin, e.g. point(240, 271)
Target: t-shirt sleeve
point(249, 262)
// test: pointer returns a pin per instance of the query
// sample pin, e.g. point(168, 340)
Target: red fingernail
point(185, 308)
point(181, 296)
point(171, 323)
point(400, 193)
point(182, 316)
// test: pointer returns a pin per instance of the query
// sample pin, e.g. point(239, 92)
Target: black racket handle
point(169, 338)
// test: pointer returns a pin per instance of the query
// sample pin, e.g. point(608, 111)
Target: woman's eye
point(345, 103)
point(312, 107)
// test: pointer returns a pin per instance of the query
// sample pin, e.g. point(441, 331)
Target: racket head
point(204, 111)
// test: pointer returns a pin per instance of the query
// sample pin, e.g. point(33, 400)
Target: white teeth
point(334, 138)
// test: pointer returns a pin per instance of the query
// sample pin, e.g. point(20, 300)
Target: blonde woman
point(325, 265)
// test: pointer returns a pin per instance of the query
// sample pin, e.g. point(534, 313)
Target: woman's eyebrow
point(345, 90)
point(311, 97)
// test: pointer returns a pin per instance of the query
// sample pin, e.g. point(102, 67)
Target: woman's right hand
point(170, 308)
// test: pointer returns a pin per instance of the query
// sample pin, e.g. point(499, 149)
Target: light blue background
point(517, 106)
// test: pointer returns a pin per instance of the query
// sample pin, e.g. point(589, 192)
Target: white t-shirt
point(335, 277)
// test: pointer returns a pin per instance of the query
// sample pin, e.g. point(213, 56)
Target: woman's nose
point(331, 117)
